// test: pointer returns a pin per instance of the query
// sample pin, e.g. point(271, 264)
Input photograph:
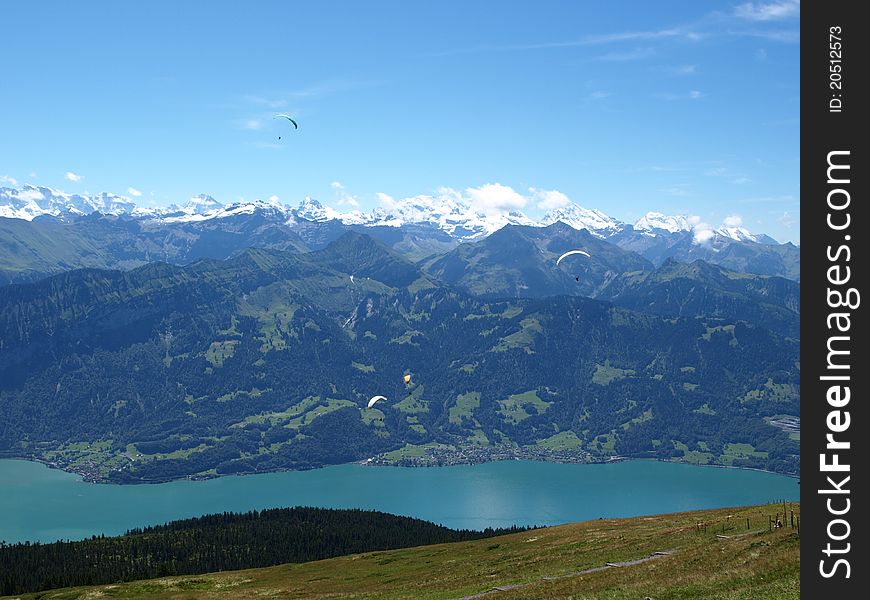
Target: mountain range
point(267, 361)
point(44, 231)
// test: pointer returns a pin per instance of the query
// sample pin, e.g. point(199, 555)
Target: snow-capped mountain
point(201, 204)
point(594, 221)
point(312, 210)
point(738, 234)
point(656, 221)
point(451, 211)
point(31, 201)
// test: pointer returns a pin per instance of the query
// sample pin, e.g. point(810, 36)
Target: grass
point(564, 440)
point(530, 328)
point(296, 415)
point(464, 408)
point(218, 352)
point(550, 563)
point(513, 409)
point(605, 373)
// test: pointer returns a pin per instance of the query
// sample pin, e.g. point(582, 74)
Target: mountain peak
point(201, 204)
point(594, 221)
point(653, 221)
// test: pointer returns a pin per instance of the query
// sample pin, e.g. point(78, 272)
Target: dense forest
point(219, 542)
point(267, 361)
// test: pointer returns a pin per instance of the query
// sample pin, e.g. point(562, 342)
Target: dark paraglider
point(289, 118)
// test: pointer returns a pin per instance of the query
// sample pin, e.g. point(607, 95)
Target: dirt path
point(613, 565)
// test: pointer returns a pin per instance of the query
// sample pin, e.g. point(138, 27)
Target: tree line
point(218, 542)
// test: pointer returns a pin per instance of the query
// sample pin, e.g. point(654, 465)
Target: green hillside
point(713, 554)
point(267, 361)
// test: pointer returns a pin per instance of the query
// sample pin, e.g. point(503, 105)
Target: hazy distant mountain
point(519, 261)
point(746, 256)
point(701, 289)
point(30, 250)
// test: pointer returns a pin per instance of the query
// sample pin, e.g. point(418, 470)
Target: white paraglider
point(570, 252)
point(374, 399)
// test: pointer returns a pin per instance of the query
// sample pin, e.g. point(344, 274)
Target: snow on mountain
point(312, 210)
point(449, 211)
point(31, 201)
point(114, 204)
point(653, 221)
point(594, 221)
point(201, 204)
point(738, 234)
point(459, 214)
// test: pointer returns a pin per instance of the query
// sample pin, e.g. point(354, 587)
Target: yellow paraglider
point(407, 378)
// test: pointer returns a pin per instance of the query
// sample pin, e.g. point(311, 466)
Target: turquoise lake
point(42, 504)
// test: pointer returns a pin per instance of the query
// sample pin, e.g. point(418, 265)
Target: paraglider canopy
point(570, 252)
point(289, 118)
point(407, 378)
point(374, 399)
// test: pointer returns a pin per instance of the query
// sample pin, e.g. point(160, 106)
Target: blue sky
point(680, 107)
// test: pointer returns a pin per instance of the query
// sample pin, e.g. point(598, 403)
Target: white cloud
point(252, 124)
point(627, 56)
point(787, 219)
point(386, 200)
point(31, 195)
point(691, 95)
point(262, 101)
point(677, 189)
point(133, 191)
point(598, 95)
point(70, 176)
point(769, 11)
point(681, 70)
point(549, 199)
point(495, 198)
point(733, 221)
point(741, 180)
point(343, 197)
point(274, 199)
point(715, 172)
point(702, 232)
point(8, 179)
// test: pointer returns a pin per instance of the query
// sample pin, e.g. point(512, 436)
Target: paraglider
point(289, 118)
point(374, 400)
point(407, 378)
point(570, 252)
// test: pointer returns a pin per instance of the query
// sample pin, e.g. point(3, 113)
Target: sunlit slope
point(702, 554)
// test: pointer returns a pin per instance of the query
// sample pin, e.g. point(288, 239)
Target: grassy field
point(694, 555)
